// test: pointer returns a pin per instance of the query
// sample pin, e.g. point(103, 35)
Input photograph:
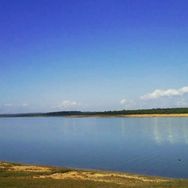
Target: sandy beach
point(22, 175)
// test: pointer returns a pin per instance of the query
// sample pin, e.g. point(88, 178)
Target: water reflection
point(170, 131)
point(160, 130)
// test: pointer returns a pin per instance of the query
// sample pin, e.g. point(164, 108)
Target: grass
point(28, 176)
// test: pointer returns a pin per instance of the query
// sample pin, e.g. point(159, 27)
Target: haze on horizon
point(93, 54)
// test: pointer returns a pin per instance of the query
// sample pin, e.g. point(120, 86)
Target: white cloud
point(123, 101)
point(8, 105)
point(15, 105)
point(128, 104)
point(67, 104)
point(165, 93)
point(182, 102)
point(24, 104)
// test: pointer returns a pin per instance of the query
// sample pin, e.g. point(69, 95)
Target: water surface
point(152, 146)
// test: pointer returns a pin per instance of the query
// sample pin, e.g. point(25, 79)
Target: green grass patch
point(24, 179)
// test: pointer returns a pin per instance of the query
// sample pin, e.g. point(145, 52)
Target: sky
point(93, 55)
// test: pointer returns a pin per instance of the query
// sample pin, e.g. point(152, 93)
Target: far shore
point(104, 116)
point(125, 116)
point(155, 115)
point(158, 112)
point(22, 175)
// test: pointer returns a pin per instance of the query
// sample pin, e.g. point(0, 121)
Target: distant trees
point(105, 113)
point(123, 112)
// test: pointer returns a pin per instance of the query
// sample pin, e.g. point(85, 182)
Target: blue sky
point(93, 54)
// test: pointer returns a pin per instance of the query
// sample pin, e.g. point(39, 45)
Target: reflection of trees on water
point(159, 130)
point(170, 130)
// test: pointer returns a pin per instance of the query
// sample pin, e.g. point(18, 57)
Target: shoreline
point(124, 116)
point(49, 176)
point(183, 115)
point(156, 115)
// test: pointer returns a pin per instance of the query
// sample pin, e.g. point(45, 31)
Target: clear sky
point(93, 54)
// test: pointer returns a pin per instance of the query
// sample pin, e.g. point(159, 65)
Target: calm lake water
point(153, 146)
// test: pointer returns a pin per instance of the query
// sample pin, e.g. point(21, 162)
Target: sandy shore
point(91, 175)
point(156, 115)
point(128, 116)
point(32, 176)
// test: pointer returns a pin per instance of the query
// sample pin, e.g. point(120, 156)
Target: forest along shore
point(160, 112)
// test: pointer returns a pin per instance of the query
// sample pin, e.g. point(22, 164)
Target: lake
point(151, 146)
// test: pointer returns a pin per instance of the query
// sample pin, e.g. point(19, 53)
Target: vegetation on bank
point(123, 112)
point(105, 113)
point(22, 176)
